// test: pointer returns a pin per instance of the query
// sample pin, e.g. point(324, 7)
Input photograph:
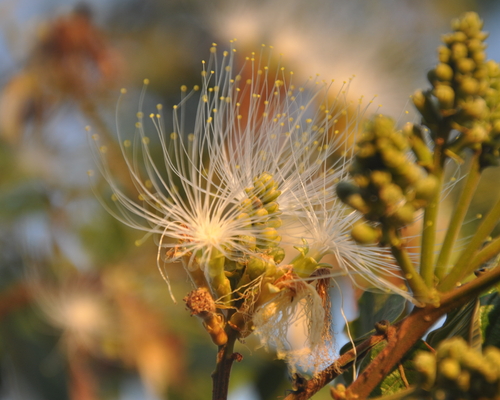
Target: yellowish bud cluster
point(465, 91)
point(457, 371)
point(387, 187)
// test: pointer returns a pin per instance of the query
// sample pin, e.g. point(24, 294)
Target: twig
point(401, 337)
point(408, 331)
point(313, 385)
point(225, 359)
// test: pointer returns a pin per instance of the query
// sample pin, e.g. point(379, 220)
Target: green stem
point(487, 253)
point(458, 216)
point(430, 222)
point(415, 281)
point(463, 267)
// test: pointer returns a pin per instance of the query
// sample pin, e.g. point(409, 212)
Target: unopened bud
point(445, 96)
point(363, 233)
point(443, 72)
point(469, 86)
point(449, 368)
point(404, 215)
point(466, 65)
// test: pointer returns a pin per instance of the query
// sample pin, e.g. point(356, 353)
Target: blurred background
point(84, 313)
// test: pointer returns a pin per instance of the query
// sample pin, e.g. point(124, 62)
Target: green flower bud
point(256, 267)
point(445, 96)
point(449, 368)
point(272, 207)
point(274, 222)
point(466, 65)
point(362, 181)
point(459, 37)
point(469, 86)
point(424, 105)
point(477, 134)
point(367, 150)
point(278, 254)
point(425, 364)
point(245, 218)
point(394, 159)
point(443, 72)
point(470, 23)
point(217, 278)
point(363, 233)
point(444, 54)
point(380, 178)
point(256, 202)
point(391, 194)
point(271, 236)
point(247, 206)
point(478, 57)
point(480, 73)
point(259, 188)
point(261, 213)
point(458, 51)
point(384, 126)
point(409, 175)
point(475, 109)
point(271, 195)
point(248, 241)
point(357, 202)
point(404, 215)
point(476, 45)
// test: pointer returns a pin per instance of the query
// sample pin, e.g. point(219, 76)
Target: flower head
point(262, 155)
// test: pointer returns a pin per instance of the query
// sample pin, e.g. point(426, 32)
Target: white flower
point(250, 122)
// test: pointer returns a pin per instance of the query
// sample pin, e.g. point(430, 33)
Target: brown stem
point(408, 331)
point(225, 359)
point(401, 337)
point(342, 363)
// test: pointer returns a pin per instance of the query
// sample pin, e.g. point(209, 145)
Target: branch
point(225, 359)
point(406, 333)
point(401, 337)
point(313, 385)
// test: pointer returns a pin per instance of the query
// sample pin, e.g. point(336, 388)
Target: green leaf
point(477, 322)
point(401, 376)
point(374, 307)
point(463, 322)
point(490, 318)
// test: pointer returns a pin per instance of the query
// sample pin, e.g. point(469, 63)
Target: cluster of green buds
point(464, 94)
point(235, 280)
point(457, 371)
point(261, 216)
point(262, 212)
point(387, 186)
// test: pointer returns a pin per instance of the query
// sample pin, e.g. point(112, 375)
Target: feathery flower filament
point(261, 156)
